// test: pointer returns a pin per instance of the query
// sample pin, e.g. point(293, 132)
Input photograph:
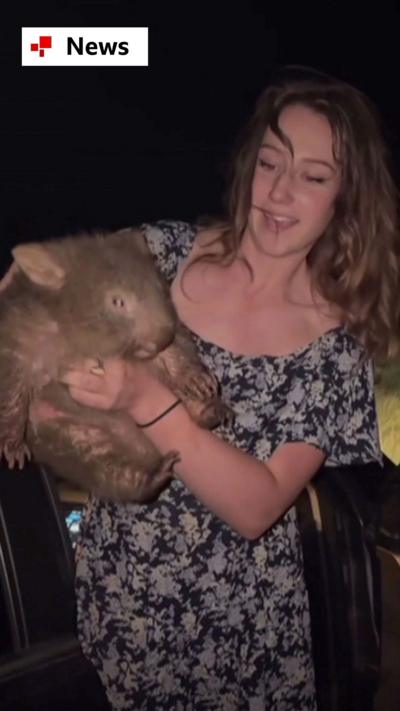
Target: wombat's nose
point(147, 352)
point(151, 348)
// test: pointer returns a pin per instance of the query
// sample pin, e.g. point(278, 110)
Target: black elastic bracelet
point(159, 417)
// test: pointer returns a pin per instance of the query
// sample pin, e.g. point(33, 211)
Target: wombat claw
point(16, 454)
point(217, 413)
point(200, 385)
point(226, 414)
point(169, 461)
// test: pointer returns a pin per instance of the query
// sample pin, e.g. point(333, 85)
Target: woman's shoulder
point(343, 357)
point(334, 341)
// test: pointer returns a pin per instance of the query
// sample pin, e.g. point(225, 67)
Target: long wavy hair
point(355, 264)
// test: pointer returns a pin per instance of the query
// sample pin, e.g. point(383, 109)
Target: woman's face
point(293, 196)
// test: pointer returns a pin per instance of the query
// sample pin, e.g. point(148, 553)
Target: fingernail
point(94, 365)
point(97, 370)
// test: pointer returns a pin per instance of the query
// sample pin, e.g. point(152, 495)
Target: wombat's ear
point(39, 265)
point(136, 234)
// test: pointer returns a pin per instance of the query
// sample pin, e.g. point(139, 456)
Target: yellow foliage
point(388, 407)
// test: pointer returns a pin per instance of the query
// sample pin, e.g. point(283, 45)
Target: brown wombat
point(91, 296)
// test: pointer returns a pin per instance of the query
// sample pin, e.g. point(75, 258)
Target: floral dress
point(176, 610)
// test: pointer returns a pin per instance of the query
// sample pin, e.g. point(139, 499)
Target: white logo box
point(84, 47)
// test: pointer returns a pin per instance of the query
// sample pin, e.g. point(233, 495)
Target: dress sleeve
point(170, 242)
point(336, 410)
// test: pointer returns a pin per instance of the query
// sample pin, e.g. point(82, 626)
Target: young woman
point(197, 601)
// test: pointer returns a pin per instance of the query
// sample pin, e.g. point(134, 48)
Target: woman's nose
point(282, 189)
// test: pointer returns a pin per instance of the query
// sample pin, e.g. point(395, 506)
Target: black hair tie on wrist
point(161, 415)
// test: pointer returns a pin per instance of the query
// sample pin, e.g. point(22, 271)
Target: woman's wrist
point(149, 407)
point(160, 416)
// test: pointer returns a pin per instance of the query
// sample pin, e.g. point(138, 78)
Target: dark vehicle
point(41, 665)
point(349, 519)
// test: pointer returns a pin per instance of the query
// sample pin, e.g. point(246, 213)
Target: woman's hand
point(115, 385)
point(118, 385)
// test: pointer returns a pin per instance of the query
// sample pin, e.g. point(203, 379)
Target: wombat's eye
point(118, 302)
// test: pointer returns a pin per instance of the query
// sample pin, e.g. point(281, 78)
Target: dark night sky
point(87, 147)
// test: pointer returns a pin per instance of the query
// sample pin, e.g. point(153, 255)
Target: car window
point(41, 552)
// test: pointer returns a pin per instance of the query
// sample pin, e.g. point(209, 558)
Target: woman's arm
point(247, 494)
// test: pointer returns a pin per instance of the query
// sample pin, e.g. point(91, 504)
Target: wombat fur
point(92, 296)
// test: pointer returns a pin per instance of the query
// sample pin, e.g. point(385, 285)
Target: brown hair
point(355, 264)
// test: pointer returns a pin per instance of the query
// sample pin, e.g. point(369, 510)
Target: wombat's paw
point(149, 484)
point(165, 471)
point(214, 413)
point(16, 454)
point(168, 462)
point(197, 383)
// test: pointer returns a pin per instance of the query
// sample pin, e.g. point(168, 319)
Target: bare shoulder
point(206, 241)
point(325, 316)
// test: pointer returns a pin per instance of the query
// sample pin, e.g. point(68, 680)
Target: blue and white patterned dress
point(176, 610)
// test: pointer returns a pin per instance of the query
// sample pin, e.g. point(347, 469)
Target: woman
point(197, 601)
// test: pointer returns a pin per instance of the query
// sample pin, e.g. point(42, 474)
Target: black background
point(109, 147)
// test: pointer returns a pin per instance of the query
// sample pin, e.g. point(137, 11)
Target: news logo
point(84, 46)
point(44, 43)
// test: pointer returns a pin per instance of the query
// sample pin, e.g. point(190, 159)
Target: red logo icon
point(44, 43)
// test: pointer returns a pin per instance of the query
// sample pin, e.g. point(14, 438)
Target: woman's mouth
point(278, 223)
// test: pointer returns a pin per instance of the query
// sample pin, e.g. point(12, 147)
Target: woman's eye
point(265, 164)
point(315, 179)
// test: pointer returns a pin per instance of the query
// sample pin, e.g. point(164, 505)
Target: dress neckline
point(253, 357)
point(301, 350)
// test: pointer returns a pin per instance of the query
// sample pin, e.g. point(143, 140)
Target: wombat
point(92, 296)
